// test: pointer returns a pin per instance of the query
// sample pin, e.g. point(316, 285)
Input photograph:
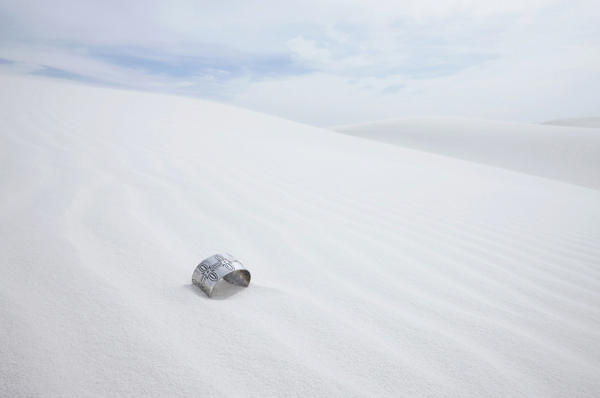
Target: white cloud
point(308, 51)
point(369, 59)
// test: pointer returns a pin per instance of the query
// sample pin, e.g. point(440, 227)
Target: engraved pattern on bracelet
point(220, 266)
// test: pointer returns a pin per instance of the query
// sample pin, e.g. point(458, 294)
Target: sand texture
point(377, 270)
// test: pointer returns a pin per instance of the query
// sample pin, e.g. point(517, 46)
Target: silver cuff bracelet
point(217, 267)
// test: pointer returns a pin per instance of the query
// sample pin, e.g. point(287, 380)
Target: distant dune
point(593, 122)
point(565, 154)
point(377, 270)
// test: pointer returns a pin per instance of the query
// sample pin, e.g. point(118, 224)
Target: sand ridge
point(551, 150)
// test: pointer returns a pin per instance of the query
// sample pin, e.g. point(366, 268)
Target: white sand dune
point(593, 122)
point(377, 271)
point(567, 154)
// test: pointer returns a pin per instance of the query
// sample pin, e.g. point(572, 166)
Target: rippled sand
point(377, 270)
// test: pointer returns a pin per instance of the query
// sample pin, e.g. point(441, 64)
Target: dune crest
point(567, 154)
point(590, 122)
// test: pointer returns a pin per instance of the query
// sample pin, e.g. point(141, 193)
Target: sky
point(326, 62)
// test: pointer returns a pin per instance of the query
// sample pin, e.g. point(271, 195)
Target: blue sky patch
point(219, 68)
point(63, 74)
